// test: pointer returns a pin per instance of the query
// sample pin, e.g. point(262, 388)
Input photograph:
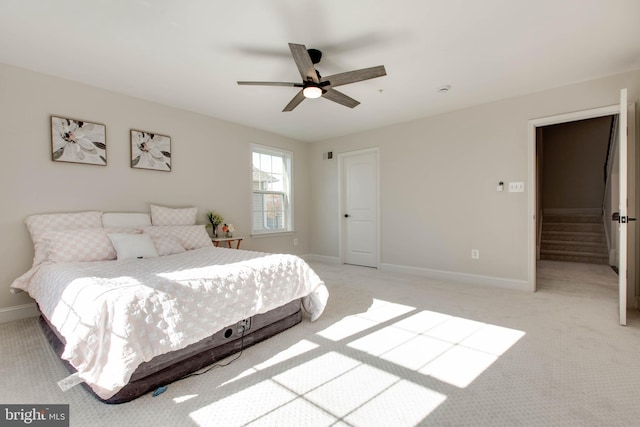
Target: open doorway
point(628, 158)
point(576, 175)
point(576, 189)
point(534, 177)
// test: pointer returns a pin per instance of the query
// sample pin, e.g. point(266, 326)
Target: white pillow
point(161, 215)
point(133, 246)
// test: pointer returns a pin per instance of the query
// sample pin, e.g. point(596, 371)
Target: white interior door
point(623, 219)
point(360, 208)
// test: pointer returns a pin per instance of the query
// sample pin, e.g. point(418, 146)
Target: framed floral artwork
point(78, 141)
point(150, 151)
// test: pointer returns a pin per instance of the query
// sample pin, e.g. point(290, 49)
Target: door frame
point(532, 125)
point(342, 238)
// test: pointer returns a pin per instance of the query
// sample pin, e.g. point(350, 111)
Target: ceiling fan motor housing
point(315, 55)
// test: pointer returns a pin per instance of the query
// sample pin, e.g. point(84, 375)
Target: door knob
point(347, 215)
point(621, 219)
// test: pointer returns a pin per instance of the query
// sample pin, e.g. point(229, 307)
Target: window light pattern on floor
point(363, 379)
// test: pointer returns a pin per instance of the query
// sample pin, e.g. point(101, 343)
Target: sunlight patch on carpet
point(295, 350)
point(184, 398)
point(381, 311)
point(352, 390)
point(382, 369)
point(381, 341)
point(346, 327)
point(309, 375)
point(451, 349)
point(402, 404)
point(244, 406)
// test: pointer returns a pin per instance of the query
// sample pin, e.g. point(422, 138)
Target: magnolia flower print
point(150, 151)
point(78, 141)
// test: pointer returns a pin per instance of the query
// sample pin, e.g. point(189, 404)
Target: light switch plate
point(516, 187)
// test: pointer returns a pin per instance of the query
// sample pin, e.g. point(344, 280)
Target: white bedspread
point(114, 315)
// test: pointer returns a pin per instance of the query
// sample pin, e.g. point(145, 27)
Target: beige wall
point(438, 178)
point(575, 154)
point(438, 175)
point(211, 165)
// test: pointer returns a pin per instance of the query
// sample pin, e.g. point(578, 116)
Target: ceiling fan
point(314, 86)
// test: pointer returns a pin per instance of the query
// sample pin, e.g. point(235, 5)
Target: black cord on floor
point(162, 389)
point(219, 365)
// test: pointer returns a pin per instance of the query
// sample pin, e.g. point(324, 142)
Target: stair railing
point(540, 219)
point(608, 166)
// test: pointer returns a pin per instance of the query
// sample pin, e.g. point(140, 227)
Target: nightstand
point(216, 241)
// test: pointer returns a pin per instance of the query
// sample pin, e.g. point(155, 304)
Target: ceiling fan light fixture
point(312, 92)
point(314, 86)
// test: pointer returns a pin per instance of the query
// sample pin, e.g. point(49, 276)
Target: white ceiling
point(190, 53)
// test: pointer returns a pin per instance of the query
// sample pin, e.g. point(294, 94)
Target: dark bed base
point(173, 366)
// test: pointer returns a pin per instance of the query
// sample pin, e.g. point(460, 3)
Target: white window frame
point(288, 195)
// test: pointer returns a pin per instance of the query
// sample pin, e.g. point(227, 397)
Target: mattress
point(167, 368)
point(116, 315)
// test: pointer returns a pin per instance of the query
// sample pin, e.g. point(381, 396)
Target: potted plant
point(215, 219)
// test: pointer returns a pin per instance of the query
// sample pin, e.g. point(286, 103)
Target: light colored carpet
point(394, 350)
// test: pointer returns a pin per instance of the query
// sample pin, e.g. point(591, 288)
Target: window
point(271, 181)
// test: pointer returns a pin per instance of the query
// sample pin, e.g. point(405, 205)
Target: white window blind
point(271, 184)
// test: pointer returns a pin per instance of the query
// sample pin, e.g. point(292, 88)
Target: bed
point(129, 319)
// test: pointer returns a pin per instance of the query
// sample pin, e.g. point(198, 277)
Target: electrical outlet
point(295, 241)
point(244, 326)
point(475, 254)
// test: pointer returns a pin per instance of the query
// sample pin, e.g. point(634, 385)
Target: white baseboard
point(572, 211)
point(521, 285)
point(321, 258)
point(18, 312)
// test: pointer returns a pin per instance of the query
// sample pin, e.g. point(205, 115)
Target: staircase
point(574, 238)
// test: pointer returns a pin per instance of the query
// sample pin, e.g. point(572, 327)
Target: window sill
point(274, 234)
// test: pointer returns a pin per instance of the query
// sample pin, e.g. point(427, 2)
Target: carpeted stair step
point(593, 219)
point(574, 257)
point(584, 247)
point(583, 227)
point(574, 236)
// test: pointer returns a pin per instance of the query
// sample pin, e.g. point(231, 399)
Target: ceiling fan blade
point(303, 61)
point(294, 102)
point(340, 98)
point(356, 76)
point(271, 84)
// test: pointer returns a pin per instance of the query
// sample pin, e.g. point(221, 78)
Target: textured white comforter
point(114, 315)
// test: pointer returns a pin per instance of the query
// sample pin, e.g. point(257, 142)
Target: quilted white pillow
point(133, 245)
point(161, 215)
point(39, 225)
point(189, 236)
point(166, 245)
point(91, 244)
